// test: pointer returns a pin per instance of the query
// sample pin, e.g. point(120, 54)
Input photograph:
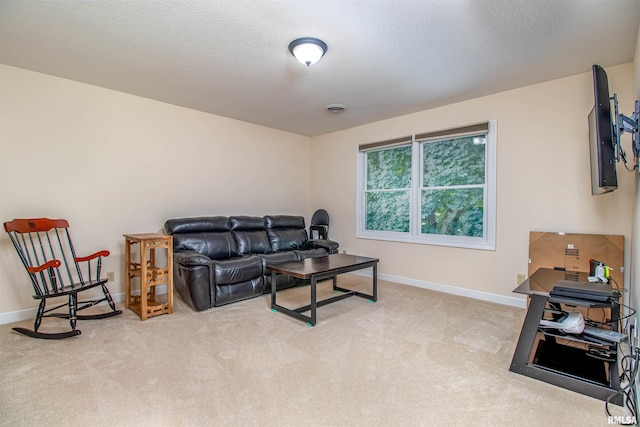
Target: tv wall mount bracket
point(629, 125)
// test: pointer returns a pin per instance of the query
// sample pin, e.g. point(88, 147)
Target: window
point(433, 188)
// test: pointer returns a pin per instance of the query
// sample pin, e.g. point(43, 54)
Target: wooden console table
point(148, 274)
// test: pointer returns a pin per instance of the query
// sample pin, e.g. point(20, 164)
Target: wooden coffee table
point(322, 268)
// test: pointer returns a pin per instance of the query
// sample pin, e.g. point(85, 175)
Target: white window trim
point(488, 242)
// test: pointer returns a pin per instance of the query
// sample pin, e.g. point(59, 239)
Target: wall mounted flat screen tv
point(601, 137)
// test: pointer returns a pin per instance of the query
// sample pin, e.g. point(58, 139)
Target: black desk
point(570, 365)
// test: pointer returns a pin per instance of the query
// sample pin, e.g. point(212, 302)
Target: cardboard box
point(572, 252)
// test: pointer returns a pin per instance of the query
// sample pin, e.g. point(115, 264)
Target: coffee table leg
point(313, 301)
point(375, 282)
point(273, 290)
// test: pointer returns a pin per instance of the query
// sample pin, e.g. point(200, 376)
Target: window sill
point(450, 241)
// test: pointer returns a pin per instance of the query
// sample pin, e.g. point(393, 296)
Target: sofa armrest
point(191, 258)
point(328, 245)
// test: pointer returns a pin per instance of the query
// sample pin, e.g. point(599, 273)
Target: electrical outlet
point(110, 276)
point(520, 277)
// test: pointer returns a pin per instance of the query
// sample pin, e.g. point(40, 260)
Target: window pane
point(387, 211)
point(459, 161)
point(453, 212)
point(388, 169)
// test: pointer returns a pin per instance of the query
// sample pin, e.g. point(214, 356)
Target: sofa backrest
point(286, 232)
point(250, 234)
point(210, 236)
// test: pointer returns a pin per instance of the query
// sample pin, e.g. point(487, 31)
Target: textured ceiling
point(385, 58)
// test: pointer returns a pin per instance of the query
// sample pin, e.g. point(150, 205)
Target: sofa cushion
point(276, 258)
point(246, 223)
point(250, 234)
point(213, 245)
point(210, 236)
point(284, 221)
point(286, 232)
point(192, 283)
point(311, 253)
point(197, 225)
point(282, 280)
point(328, 245)
point(235, 270)
point(226, 294)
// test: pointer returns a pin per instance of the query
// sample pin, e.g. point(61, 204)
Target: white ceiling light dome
point(308, 50)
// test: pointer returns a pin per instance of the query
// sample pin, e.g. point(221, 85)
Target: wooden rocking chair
point(46, 250)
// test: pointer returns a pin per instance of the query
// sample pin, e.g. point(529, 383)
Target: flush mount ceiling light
point(308, 50)
point(335, 108)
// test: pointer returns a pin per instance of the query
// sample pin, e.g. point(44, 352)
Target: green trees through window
point(388, 192)
point(449, 197)
point(453, 180)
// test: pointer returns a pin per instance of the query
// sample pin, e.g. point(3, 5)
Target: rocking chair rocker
point(46, 251)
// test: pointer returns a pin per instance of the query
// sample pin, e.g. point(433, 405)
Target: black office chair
point(319, 228)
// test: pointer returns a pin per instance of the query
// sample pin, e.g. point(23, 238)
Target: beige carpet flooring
point(414, 358)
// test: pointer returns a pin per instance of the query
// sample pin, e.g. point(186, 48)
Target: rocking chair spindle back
point(46, 250)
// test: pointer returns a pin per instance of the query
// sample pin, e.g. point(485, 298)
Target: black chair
point(319, 228)
point(47, 253)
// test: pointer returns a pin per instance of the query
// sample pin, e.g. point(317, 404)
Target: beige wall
point(635, 246)
point(542, 172)
point(113, 163)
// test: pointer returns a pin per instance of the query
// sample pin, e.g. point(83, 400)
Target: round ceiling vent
point(335, 108)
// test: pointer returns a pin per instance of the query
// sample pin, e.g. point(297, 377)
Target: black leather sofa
point(219, 260)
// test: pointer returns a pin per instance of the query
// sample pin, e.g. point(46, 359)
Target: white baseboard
point(30, 313)
point(448, 289)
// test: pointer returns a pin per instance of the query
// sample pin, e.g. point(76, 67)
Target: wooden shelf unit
point(148, 274)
